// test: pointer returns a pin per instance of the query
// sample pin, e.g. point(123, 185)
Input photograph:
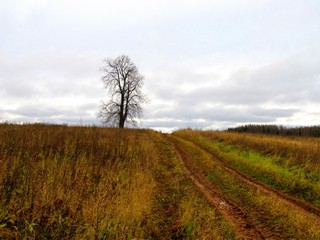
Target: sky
point(208, 64)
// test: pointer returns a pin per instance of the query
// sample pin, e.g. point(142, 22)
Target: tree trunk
point(121, 122)
point(121, 113)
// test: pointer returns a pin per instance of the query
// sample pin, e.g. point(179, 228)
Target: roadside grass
point(59, 182)
point(264, 208)
point(271, 167)
point(201, 221)
point(294, 150)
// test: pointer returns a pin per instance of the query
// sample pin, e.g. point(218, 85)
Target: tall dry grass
point(303, 151)
point(75, 182)
point(59, 182)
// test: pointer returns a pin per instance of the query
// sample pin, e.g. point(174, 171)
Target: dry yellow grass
point(59, 182)
point(62, 182)
point(296, 150)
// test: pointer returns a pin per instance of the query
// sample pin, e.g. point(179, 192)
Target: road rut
point(245, 225)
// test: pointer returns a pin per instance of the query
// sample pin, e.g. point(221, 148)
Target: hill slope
point(62, 182)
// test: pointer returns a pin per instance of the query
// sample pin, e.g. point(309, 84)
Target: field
point(59, 182)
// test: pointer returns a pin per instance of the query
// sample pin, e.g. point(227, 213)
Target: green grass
point(263, 208)
point(271, 170)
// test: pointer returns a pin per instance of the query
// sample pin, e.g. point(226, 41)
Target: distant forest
point(313, 131)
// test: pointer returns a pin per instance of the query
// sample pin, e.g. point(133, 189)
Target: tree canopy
point(123, 81)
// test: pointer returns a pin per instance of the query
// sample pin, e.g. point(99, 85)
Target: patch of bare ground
point(248, 222)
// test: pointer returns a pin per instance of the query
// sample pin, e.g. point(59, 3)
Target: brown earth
point(291, 201)
point(248, 223)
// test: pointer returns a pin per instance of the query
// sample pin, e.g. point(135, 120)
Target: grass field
point(59, 182)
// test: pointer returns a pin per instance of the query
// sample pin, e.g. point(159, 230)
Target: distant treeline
point(313, 131)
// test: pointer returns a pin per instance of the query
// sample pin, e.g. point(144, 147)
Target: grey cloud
point(12, 88)
point(222, 113)
point(290, 81)
point(175, 124)
point(39, 112)
point(243, 96)
point(49, 75)
point(58, 120)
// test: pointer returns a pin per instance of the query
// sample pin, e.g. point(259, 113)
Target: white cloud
point(52, 87)
point(206, 62)
point(267, 94)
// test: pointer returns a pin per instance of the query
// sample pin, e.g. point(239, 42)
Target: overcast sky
point(208, 64)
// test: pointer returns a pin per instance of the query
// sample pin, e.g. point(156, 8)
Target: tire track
point(290, 200)
point(244, 225)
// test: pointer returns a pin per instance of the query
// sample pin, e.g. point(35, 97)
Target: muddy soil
point(292, 201)
point(248, 223)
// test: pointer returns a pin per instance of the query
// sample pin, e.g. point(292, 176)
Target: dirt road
point(248, 222)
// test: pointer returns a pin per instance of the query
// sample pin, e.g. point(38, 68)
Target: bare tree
point(123, 81)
